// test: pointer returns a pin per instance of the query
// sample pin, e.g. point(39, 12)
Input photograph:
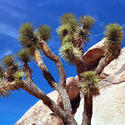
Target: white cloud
point(8, 30)
point(10, 11)
point(5, 53)
point(43, 3)
point(14, 3)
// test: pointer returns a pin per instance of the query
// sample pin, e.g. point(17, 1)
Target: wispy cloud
point(15, 4)
point(5, 53)
point(10, 11)
point(8, 30)
point(44, 3)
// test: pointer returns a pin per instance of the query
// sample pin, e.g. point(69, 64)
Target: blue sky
point(16, 12)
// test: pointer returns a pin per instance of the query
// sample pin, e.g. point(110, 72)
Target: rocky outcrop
point(116, 65)
point(93, 55)
point(108, 107)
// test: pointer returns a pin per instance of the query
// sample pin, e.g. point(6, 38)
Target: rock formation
point(108, 107)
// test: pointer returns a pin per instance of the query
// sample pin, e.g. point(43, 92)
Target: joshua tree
point(89, 88)
point(72, 36)
point(114, 36)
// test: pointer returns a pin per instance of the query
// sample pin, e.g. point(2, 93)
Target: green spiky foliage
point(70, 53)
point(2, 71)
point(4, 92)
point(24, 55)
point(67, 39)
point(90, 83)
point(65, 30)
point(18, 76)
point(72, 37)
point(11, 67)
point(114, 33)
point(27, 37)
point(10, 72)
point(80, 33)
point(8, 61)
point(114, 37)
point(69, 18)
point(87, 22)
point(3, 89)
point(43, 32)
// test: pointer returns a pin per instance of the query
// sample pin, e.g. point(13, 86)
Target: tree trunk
point(59, 87)
point(87, 114)
point(80, 67)
point(48, 53)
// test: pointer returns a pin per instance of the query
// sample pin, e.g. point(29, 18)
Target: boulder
point(116, 65)
point(93, 55)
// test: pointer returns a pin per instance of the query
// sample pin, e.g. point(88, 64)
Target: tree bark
point(48, 53)
point(87, 113)
point(80, 67)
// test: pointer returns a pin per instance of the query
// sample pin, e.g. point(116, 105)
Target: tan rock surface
point(116, 64)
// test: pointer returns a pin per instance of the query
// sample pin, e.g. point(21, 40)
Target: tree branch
point(39, 61)
point(35, 91)
point(32, 89)
point(59, 87)
point(9, 86)
point(48, 53)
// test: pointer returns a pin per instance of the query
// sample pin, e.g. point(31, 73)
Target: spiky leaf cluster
point(114, 33)
point(89, 83)
point(2, 71)
point(3, 89)
point(4, 92)
point(69, 18)
point(87, 22)
point(71, 32)
point(10, 72)
point(114, 36)
point(8, 61)
point(27, 37)
point(70, 53)
point(64, 30)
point(43, 32)
point(18, 76)
point(24, 55)
point(67, 39)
